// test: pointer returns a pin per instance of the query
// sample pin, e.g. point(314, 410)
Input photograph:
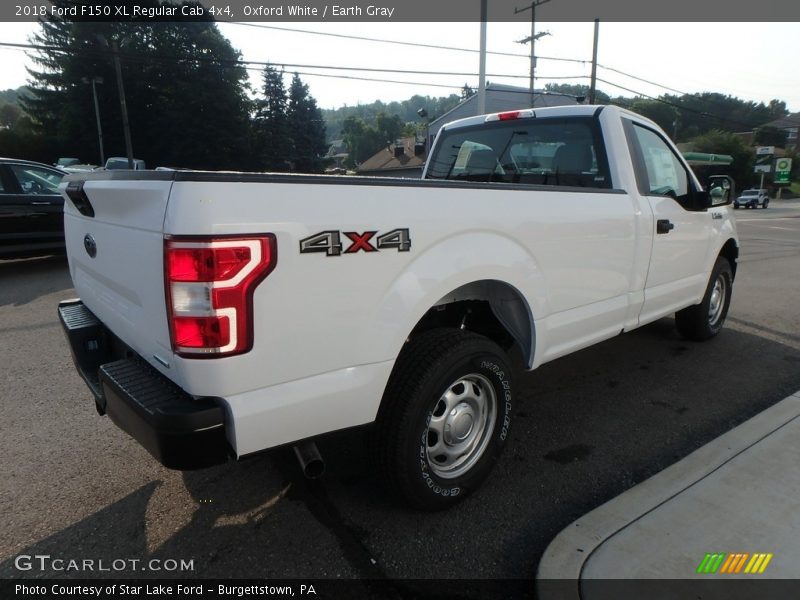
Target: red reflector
point(206, 264)
point(509, 116)
point(202, 332)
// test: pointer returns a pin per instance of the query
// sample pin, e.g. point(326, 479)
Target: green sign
point(783, 167)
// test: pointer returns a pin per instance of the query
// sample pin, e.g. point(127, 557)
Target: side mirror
point(721, 190)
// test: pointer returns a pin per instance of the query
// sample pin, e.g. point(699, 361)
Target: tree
point(663, 114)
point(306, 129)
point(769, 136)
point(271, 126)
point(361, 140)
point(724, 142)
point(577, 91)
point(185, 91)
point(388, 127)
point(9, 115)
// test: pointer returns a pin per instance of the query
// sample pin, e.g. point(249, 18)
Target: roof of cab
point(539, 113)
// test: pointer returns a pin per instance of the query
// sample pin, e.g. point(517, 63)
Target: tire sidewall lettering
point(502, 384)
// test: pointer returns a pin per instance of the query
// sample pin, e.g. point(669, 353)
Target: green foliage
point(700, 113)
point(288, 130)
point(306, 129)
point(405, 110)
point(577, 90)
point(663, 114)
point(186, 99)
point(9, 114)
point(717, 141)
point(769, 136)
point(364, 140)
point(271, 125)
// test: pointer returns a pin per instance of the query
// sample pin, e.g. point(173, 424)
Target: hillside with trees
point(187, 95)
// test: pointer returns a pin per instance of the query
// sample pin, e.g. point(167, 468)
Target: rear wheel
point(444, 418)
point(703, 321)
point(765, 204)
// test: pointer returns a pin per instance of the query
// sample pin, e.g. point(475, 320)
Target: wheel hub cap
point(459, 424)
point(716, 301)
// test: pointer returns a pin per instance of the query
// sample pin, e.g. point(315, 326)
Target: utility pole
point(93, 81)
point(532, 39)
point(115, 46)
point(482, 65)
point(594, 62)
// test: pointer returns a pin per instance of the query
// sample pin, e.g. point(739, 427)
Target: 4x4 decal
point(330, 242)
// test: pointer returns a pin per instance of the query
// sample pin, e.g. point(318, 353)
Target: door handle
point(664, 226)
point(42, 203)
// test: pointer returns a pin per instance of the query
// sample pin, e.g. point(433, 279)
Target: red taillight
point(207, 264)
point(509, 116)
point(209, 287)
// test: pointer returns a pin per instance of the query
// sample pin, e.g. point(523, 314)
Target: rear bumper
point(179, 430)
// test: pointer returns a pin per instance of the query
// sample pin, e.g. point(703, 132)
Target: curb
point(565, 556)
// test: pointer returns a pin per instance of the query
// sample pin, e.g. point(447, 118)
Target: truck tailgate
point(114, 237)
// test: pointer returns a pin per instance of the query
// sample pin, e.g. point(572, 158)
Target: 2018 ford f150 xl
point(222, 314)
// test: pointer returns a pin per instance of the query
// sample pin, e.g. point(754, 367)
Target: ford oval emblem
point(90, 245)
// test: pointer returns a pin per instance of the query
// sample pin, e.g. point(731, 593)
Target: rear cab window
point(545, 151)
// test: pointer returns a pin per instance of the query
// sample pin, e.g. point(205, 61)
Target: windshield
point(564, 152)
point(750, 193)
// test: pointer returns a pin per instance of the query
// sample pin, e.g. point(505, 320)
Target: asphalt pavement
point(589, 427)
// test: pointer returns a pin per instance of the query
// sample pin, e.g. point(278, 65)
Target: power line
point(678, 106)
point(403, 43)
point(643, 80)
point(243, 62)
point(90, 52)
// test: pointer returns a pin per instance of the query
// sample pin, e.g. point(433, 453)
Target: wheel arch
point(490, 307)
point(472, 266)
point(730, 250)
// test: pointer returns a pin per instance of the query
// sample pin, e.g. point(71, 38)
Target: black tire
point(703, 321)
point(735, 205)
point(765, 204)
point(438, 367)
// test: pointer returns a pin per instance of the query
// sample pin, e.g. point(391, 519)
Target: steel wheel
point(444, 418)
point(460, 426)
point(717, 300)
point(704, 320)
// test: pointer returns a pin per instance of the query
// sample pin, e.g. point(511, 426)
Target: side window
point(36, 181)
point(666, 176)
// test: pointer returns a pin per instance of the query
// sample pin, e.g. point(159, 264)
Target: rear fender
point(447, 266)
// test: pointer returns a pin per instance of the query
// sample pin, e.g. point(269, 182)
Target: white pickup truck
point(222, 314)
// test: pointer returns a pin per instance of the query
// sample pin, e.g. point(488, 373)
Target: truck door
point(30, 208)
point(681, 235)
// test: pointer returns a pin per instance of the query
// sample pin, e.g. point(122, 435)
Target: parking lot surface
point(588, 427)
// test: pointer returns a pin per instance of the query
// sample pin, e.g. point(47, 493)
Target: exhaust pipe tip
point(310, 460)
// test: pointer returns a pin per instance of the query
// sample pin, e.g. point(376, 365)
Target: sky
point(753, 61)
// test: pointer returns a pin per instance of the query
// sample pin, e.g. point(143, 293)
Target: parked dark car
point(31, 209)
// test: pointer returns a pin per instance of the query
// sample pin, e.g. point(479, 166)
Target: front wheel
point(703, 321)
point(444, 418)
point(765, 204)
